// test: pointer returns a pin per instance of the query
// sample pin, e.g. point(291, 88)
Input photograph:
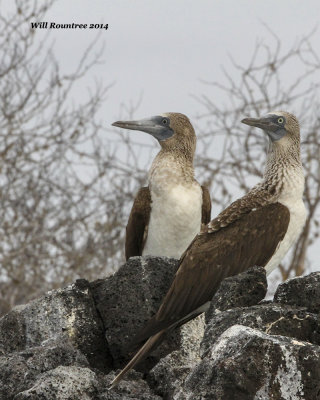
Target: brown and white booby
point(167, 214)
point(256, 230)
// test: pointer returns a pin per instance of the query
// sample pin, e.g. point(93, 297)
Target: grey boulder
point(246, 364)
point(243, 290)
point(273, 319)
point(20, 370)
point(66, 315)
point(303, 291)
point(63, 383)
point(128, 299)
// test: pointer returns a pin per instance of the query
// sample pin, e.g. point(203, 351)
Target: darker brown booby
point(172, 197)
point(255, 230)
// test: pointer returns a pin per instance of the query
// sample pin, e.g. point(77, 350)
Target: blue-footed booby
point(256, 230)
point(167, 214)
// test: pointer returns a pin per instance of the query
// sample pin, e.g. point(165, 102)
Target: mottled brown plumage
point(256, 230)
point(217, 255)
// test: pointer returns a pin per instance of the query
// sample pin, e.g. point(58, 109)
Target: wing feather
point(249, 241)
point(137, 227)
point(206, 205)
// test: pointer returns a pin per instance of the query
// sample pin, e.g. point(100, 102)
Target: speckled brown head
point(184, 137)
point(281, 127)
point(173, 131)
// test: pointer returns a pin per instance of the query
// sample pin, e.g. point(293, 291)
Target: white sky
point(162, 49)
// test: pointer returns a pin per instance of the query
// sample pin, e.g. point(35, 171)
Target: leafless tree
point(61, 215)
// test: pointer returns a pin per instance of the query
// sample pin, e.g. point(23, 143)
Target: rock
point(301, 291)
point(171, 370)
point(243, 290)
point(129, 298)
point(131, 387)
point(63, 315)
point(19, 370)
point(55, 347)
point(245, 364)
point(270, 318)
point(63, 383)
point(12, 331)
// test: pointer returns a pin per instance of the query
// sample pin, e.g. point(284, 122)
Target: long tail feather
point(142, 353)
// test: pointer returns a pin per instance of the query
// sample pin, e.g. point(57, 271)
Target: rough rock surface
point(63, 383)
point(171, 370)
point(66, 315)
point(69, 343)
point(20, 370)
point(245, 364)
point(301, 291)
point(242, 290)
point(131, 387)
point(273, 319)
point(129, 298)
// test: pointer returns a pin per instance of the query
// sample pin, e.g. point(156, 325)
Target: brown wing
point(137, 226)
point(206, 206)
point(211, 257)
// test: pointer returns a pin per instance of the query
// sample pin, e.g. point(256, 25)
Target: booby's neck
point(283, 175)
point(171, 168)
point(283, 182)
point(176, 206)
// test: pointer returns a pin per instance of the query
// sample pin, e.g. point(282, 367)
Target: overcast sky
point(163, 49)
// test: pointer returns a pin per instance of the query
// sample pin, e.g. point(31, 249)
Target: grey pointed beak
point(152, 125)
point(140, 125)
point(273, 130)
point(264, 123)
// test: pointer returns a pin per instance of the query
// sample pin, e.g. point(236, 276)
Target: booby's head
point(172, 130)
point(281, 127)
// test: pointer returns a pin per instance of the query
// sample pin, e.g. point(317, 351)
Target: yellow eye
point(280, 120)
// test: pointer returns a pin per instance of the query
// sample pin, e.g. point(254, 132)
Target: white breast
point(175, 219)
point(291, 197)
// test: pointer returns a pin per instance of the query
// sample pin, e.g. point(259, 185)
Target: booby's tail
point(150, 344)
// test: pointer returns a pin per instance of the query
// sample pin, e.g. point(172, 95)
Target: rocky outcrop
point(245, 363)
point(69, 343)
point(303, 291)
point(128, 299)
point(61, 316)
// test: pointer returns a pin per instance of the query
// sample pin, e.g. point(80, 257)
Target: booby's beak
point(265, 123)
point(157, 126)
point(268, 124)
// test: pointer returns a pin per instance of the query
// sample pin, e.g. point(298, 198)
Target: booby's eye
point(165, 121)
point(280, 120)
